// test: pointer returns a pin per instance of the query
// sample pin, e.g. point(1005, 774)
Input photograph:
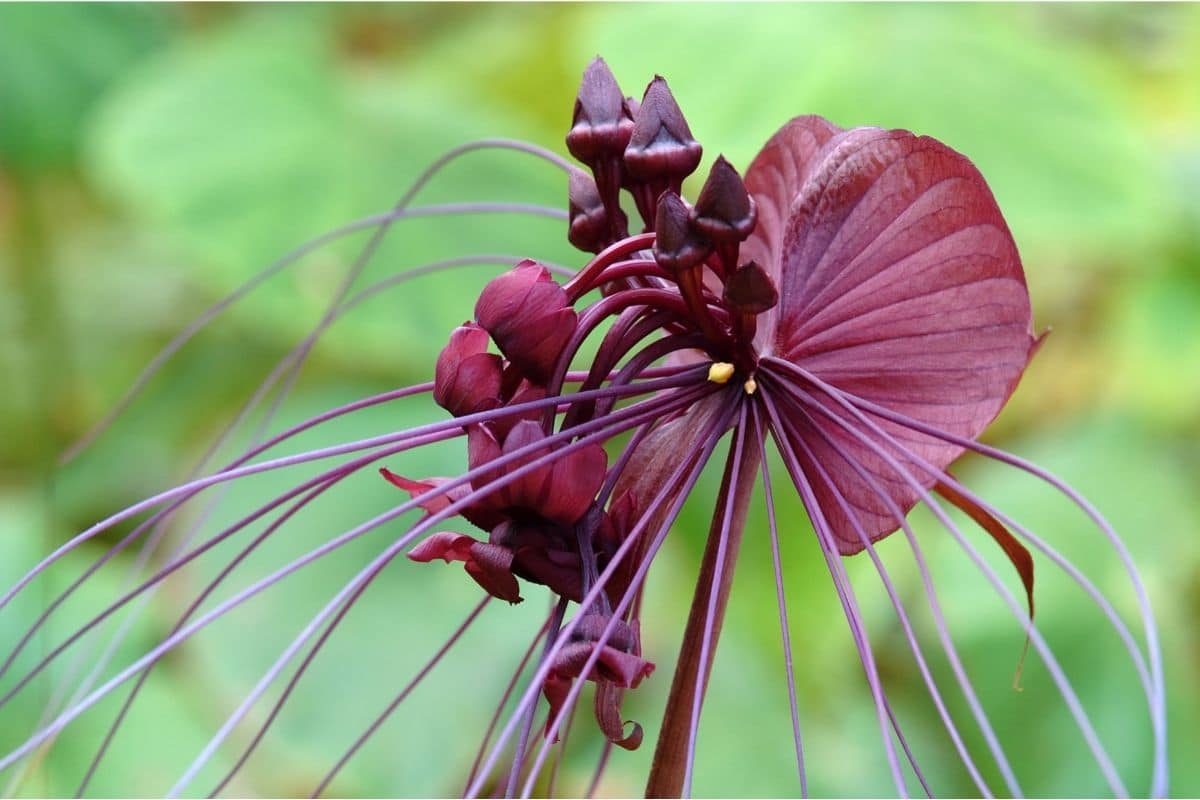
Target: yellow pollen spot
point(751, 386)
point(720, 372)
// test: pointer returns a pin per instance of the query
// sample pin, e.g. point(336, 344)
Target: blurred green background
point(153, 157)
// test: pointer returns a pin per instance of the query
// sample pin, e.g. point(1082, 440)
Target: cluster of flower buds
point(646, 148)
point(544, 511)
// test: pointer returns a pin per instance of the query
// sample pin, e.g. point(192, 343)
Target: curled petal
point(489, 564)
point(608, 715)
point(447, 545)
point(899, 283)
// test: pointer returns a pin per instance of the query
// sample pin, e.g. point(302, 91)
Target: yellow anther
point(751, 386)
point(720, 372)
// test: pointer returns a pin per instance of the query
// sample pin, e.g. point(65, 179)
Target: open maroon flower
point(853, 299)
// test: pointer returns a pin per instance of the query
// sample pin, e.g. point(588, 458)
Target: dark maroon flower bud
point(529, 317)
point(590, 230)
point(490, 565)
point(676, 245)
point(602, 123)
point(467, 378)
point(542, 555)
point(662, 146)
point(750, 289)
point(561, 491)
point(524, 393)
point(724, 211)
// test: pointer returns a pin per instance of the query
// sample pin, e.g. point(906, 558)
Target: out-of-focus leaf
point(55, 60)
point(1069, 166)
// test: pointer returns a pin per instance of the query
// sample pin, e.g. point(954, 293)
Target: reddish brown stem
point(670, 755)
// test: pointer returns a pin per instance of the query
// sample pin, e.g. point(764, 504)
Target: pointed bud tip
point(751, 290)
point(662, 145)
point(676, 247)
point(724, 211)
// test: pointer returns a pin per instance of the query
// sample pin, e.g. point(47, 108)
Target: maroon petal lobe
point(676, 245)
point(491, 567)
point(900, 283)
point(467, 378)
point(590, 229)
point(529, 317)
point(724, 210)
point(560, 491)
point(661, 146)
point(750, 289)
point(602, 122)
point(774, 179)
point(447, 545)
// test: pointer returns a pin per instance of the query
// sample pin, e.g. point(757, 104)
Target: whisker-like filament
point(781, 602)
point(1068, 693)
point(378, 721)
point(676, 486)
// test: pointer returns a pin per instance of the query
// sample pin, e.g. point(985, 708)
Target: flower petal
point(900, 284)
point(774, 179)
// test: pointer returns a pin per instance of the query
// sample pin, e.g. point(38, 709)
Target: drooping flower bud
point(676, 245)
point(561, 491)
point(602, 123)
point(489, 564)
point(590, 229)
point(467, 378)
point(724, 211)
point(750, 289)
point(529, 317)
point(661, 147)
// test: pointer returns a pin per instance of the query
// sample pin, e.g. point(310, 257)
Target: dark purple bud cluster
point(646, 148)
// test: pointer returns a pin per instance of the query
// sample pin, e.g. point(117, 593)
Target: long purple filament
point(678, 483)
point(706, 642)
point(1069, 696)
point(376, 566)
point(842, 586)
point(781, 601)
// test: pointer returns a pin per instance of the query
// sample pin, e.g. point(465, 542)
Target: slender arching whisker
point(603, 429)
point(377, 722)
point(683, 477)
point(710, 614)
point(177, 503)
point(781, 602)
point(1153, 681)
point(1150, 626)
point(843, 588)
point(317, 484)
point(906, 625)
point(313, 493)
point(606, 428)
point(365, 223)
point(360, 261)
point(1070, 697)
point(687, 477)
point(551, 648)
point(680, 377)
